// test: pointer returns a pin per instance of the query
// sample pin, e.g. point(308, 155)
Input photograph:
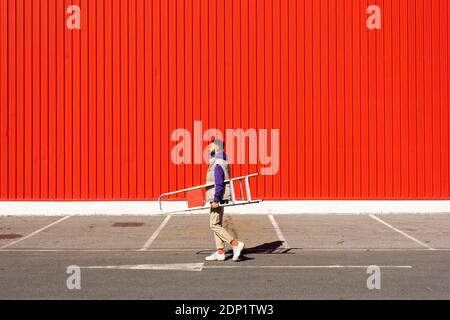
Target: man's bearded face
point(212, 149)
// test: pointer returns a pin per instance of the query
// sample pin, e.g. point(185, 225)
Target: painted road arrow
point(201, 266)
point(171, 266)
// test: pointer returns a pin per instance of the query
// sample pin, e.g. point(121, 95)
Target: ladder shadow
point(274, 247)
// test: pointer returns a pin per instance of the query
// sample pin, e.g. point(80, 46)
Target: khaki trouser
point(221, 235)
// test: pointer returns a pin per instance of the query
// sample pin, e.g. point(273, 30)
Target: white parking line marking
point(155, 234)
point(279, 233)
point(402, 233)
point(207, 250)
point(34, 233)
point(305, 267)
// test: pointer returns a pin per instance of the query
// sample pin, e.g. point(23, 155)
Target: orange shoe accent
point(220, 251)
point(234, 243)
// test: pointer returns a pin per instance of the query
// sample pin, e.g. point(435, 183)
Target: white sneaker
point(237, 250)
point(216, 257)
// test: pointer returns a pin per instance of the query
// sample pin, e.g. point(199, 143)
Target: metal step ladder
point(233, 201)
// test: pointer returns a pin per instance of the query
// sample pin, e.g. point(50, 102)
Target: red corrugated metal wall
point(87, 114)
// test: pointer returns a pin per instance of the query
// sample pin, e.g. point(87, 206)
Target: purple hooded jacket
point(219, 178)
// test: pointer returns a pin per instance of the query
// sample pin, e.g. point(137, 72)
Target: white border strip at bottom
point(55, 208)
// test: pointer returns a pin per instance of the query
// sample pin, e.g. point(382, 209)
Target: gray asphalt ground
point(286, 257)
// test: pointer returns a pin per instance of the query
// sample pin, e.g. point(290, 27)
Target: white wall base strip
point(55, 208)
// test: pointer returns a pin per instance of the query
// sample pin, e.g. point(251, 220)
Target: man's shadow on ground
point(274, 247)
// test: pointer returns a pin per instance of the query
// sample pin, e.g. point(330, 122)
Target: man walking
point(219, 193)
